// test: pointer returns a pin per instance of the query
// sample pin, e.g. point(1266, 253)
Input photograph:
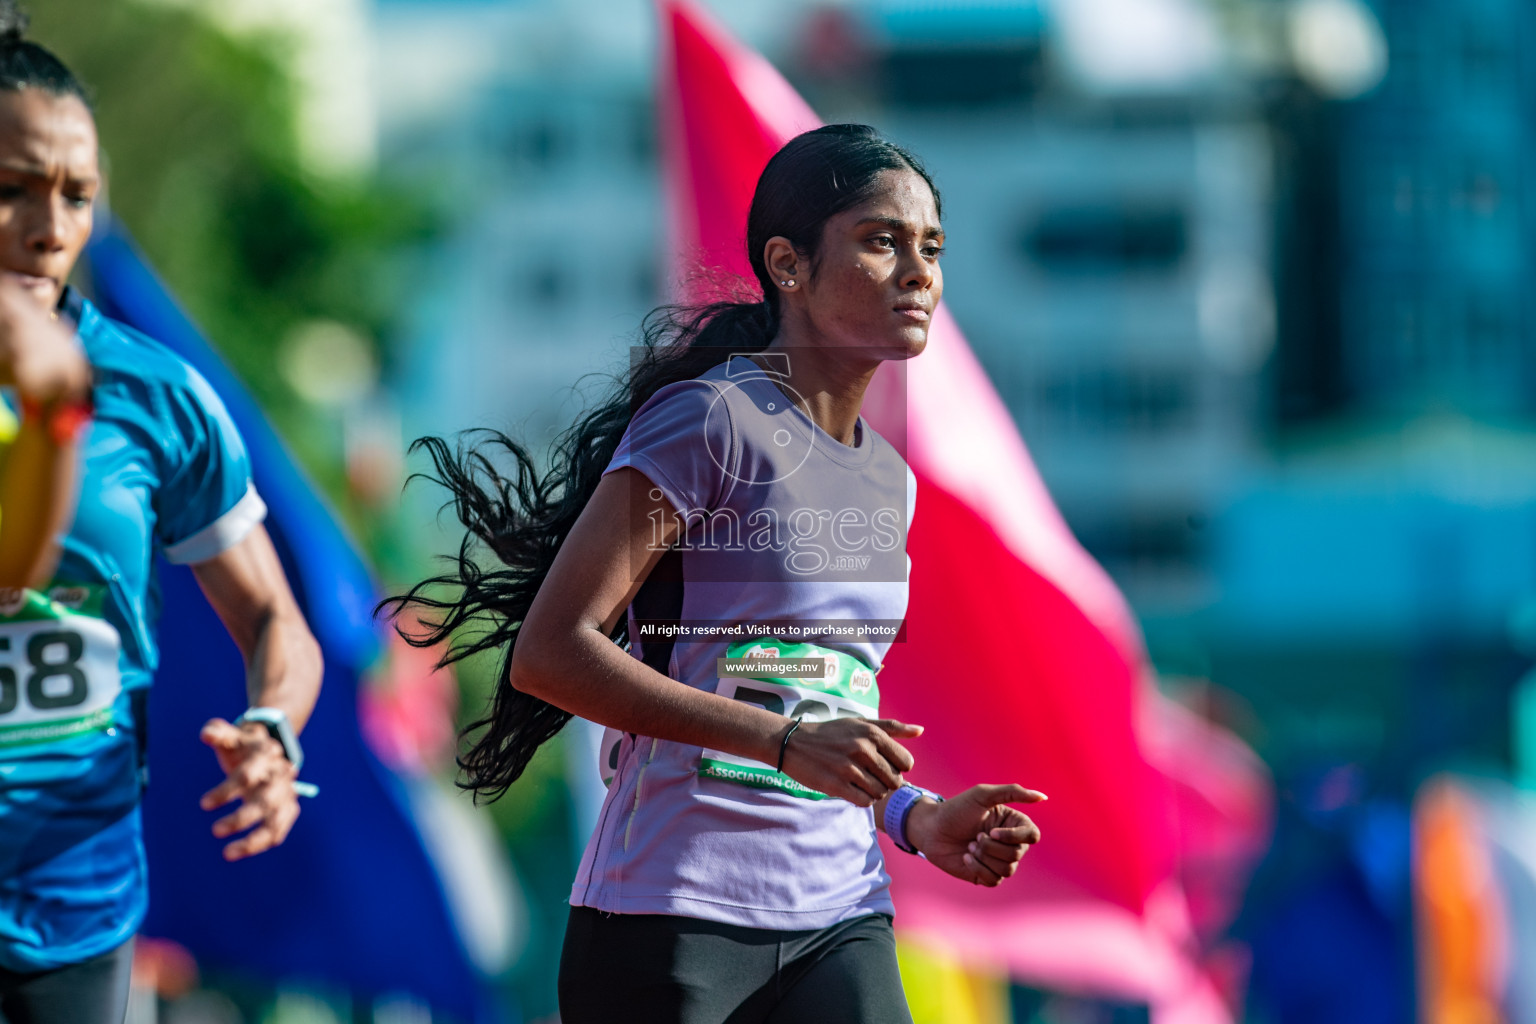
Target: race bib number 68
point(59, 673)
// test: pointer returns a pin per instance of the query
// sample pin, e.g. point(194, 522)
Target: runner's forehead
point(903, 201)
point(47, 136)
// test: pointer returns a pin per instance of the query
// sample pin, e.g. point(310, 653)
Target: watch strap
point(899, 808)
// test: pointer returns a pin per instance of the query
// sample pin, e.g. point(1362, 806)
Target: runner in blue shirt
point(163, 471)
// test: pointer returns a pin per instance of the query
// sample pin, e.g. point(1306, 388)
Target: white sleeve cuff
point(221, 534)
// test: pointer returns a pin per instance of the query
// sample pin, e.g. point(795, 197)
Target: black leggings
point(93, 991)
point(659, 969)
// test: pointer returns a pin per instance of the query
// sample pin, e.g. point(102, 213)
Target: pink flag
point(1021, 657)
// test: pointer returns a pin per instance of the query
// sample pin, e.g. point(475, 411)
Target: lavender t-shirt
point(782, 524)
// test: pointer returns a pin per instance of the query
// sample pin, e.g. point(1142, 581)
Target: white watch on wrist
point(277, 725)
point(275, 720)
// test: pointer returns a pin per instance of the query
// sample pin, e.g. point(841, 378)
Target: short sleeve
point(684, 442)
point(911, 496)
point(207, 502)
point(911, 511)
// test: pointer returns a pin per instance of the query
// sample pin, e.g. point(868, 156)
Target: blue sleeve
point(684, 442)
point(206, 502)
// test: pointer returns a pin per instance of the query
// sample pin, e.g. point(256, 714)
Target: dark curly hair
point(523, 516)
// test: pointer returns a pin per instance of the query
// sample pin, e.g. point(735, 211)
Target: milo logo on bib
point(803, 681)
point(59, 673)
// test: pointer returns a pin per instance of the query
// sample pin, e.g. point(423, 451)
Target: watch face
point(277, 726)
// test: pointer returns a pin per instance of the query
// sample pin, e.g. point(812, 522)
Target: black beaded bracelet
point(784, 743)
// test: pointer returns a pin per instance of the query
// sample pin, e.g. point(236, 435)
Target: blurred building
point(531, 125)
point(1108, 202)
point(533, 121)
point(1386, 550)
point(1249, 278)
point(1438, 212)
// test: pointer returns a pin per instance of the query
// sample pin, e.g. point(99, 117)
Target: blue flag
point(352, 899)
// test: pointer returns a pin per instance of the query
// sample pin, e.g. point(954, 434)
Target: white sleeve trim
point(221, 534)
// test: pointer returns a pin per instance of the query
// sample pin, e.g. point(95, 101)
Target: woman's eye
point(78, 201)
point(933, 252)
point(885, 241)
point(10, 191)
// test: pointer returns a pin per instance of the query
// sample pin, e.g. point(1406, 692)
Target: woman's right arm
point(564, 656)
point(42, 360)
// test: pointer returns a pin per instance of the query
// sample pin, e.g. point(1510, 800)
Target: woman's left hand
point(261, 778)
point(975, 835)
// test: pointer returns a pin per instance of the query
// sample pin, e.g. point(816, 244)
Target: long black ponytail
point(523, 516)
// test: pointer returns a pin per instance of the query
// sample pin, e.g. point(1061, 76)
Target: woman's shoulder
point(698, 402)
point(120, 352)
point(695, 393)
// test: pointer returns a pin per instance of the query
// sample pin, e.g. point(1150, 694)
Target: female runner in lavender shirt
point(731, 486)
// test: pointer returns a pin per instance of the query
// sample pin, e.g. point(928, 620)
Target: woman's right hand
point(856, 759)
point(38, 354)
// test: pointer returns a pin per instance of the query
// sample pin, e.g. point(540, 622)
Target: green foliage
point(198, 134)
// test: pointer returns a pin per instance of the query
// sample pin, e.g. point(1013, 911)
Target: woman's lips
point(31, 282)
point(912, 313)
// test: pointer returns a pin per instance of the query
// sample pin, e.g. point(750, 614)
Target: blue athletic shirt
point(163, 470)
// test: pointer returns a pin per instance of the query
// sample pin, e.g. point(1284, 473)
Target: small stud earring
point(789, 284)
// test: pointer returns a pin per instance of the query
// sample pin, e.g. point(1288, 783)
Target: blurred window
point(916, 76)
point(1144, 543)
point(1490, 329)
point(537, 143)
point(548, 286)
point(1118, 400)
point(647, 282)
point(1124, 238)
point(641, 135)
point(1486, 58)
point(1480, 192)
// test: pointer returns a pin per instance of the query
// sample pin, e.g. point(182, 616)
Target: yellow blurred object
point(10, 426)
point(943, 990)
point(1461, 929)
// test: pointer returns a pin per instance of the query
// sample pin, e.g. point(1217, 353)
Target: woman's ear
point(783, 263)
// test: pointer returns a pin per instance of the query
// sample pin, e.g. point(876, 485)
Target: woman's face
point(49, 176)
point(877, 279)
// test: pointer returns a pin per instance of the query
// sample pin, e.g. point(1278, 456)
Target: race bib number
point(59, 674)
point(802, 681)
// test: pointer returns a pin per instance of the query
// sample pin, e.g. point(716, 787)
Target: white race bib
point(823, 684)
point(59, 674)
point(828, 684)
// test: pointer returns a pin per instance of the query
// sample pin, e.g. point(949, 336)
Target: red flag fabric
point(1021, 657)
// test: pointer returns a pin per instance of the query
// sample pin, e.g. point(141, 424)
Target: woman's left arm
point(246, 586)
point(973, 835)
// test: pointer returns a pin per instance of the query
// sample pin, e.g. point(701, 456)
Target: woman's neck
point(826, 383)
